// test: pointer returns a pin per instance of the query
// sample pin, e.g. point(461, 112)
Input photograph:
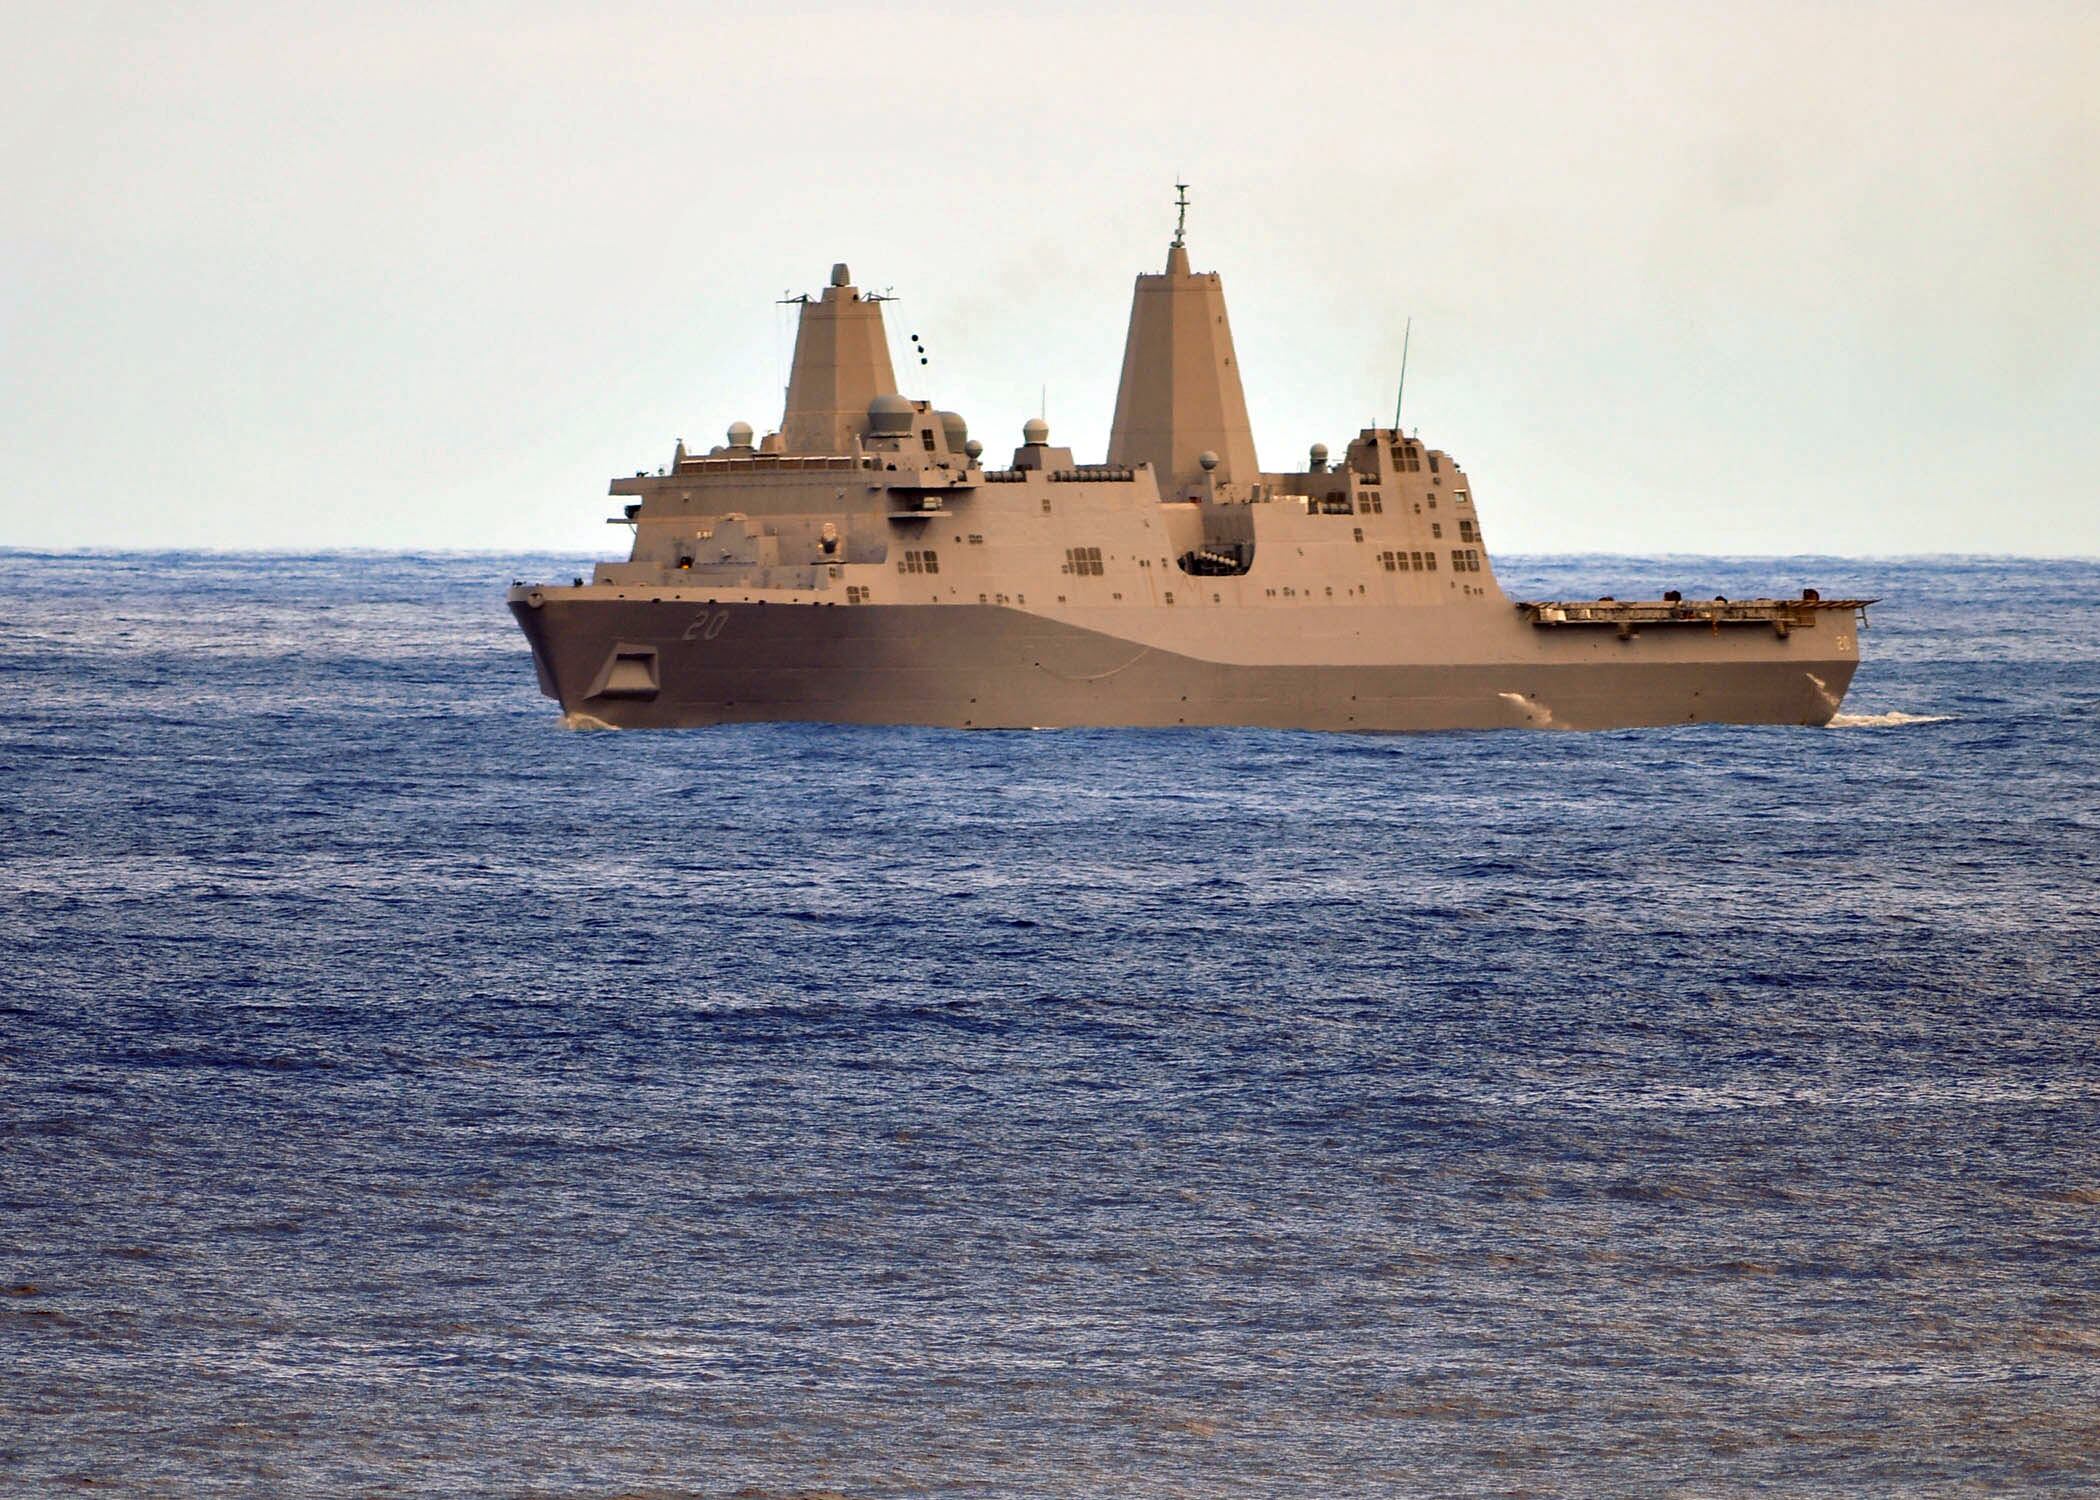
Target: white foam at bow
point(1893, 719)
point(1537, 713)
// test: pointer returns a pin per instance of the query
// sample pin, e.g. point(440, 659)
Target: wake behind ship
point(862, 565)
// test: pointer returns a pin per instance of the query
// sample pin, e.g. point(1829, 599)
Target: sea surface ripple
point(400, 1093)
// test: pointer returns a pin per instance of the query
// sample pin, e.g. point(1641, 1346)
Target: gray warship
point(863, 565)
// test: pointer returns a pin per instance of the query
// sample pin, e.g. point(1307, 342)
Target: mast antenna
point(1406, 337)
point(1181, 217)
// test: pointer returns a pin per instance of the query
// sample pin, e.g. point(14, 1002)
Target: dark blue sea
point(403, 1094)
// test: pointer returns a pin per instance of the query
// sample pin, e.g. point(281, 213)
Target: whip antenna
point(1406, 337)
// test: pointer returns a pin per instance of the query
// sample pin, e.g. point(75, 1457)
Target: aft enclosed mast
point(1180, 394)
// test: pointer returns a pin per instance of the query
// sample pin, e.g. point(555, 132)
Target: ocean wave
point(781, 1109)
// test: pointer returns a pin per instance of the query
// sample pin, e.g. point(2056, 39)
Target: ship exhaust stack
point(842, 362)
point(1180, 394)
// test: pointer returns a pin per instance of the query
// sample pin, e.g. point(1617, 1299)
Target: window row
point(1465, 560)
point(1409, 562)
point(1086, 560)
point(919, 562)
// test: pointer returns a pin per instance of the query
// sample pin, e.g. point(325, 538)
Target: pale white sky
point(1685, 277)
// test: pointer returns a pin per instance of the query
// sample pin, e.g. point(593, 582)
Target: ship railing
point(774, 462)
point(1627, 615)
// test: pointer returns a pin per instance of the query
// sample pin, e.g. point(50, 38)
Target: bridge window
point(1436, 528)
point(1373, 505)
point(1085, 561)
point(1465, 531)
point(919, 562)
point(1387, 559)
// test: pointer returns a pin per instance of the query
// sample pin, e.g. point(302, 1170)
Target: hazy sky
point(1746, 278)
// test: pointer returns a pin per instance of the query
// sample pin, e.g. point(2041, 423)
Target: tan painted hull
point(661, 664)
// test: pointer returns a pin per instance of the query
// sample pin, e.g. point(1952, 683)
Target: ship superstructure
point(862, 564)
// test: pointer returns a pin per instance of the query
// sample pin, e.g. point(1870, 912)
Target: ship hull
point(638, 663)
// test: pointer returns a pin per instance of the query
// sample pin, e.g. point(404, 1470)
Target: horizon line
point(29, 550)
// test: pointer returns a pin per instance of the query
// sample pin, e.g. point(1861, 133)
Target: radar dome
point(739, 434)
point(1208, 459)
point(1035, 432)
point(956, 428)
point(890, 415)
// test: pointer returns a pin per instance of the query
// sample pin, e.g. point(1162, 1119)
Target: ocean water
point(400, 1093)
